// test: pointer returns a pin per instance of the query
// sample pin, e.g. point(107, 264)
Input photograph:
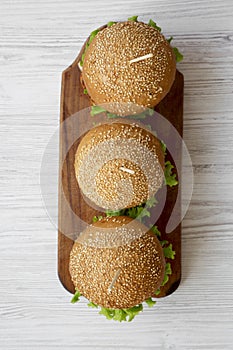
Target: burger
point(117, 263)
point(128, 65)
point(119, 165)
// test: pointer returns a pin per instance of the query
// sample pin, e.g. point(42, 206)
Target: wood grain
point(37, 41)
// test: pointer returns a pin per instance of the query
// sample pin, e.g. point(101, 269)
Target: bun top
point(117, 276)
point(110, 75)
point(119, 165)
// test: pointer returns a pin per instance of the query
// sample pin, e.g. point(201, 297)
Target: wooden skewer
point(141, 58)
point(114, 280)
point(127, 170)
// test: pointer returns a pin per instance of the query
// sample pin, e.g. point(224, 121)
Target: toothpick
point(127, 170)
point(114, 280)
point(141, 58)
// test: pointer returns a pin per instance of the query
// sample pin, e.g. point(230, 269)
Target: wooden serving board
point(73, 100)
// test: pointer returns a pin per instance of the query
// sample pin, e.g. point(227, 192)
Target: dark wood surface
point(73, 100)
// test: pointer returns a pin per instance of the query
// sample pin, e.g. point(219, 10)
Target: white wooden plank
point(38, 40)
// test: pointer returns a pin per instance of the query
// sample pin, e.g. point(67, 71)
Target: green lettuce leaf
point(170, 177)
point(178, 54)
point(133, 311)
point(76, 297)
point(108, 313)
point(115, 212)
point(157, 291)
point(148, 126)
point(154, 25)
point(163, 243)
point(112, 115)
point(164, 147)
point(133, 18)
point(151, 202)
point(109, 24)
point(121, 314)
point(92, 36)
point(168, 271)
point(97, 218)
point(155, 230)
point(150, 302)
point(96, 110)
point(137, 212)
point(170, 39)
point(91, 304)
point(168, 252)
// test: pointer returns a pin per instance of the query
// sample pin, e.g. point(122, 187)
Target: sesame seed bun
point(119, 165)
point(117, 276)
point(109, 76)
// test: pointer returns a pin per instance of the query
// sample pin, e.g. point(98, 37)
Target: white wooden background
point(38, 40)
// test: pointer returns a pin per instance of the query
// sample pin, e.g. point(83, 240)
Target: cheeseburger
point(119, 265)
point(130, 64)
point(119, 165)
